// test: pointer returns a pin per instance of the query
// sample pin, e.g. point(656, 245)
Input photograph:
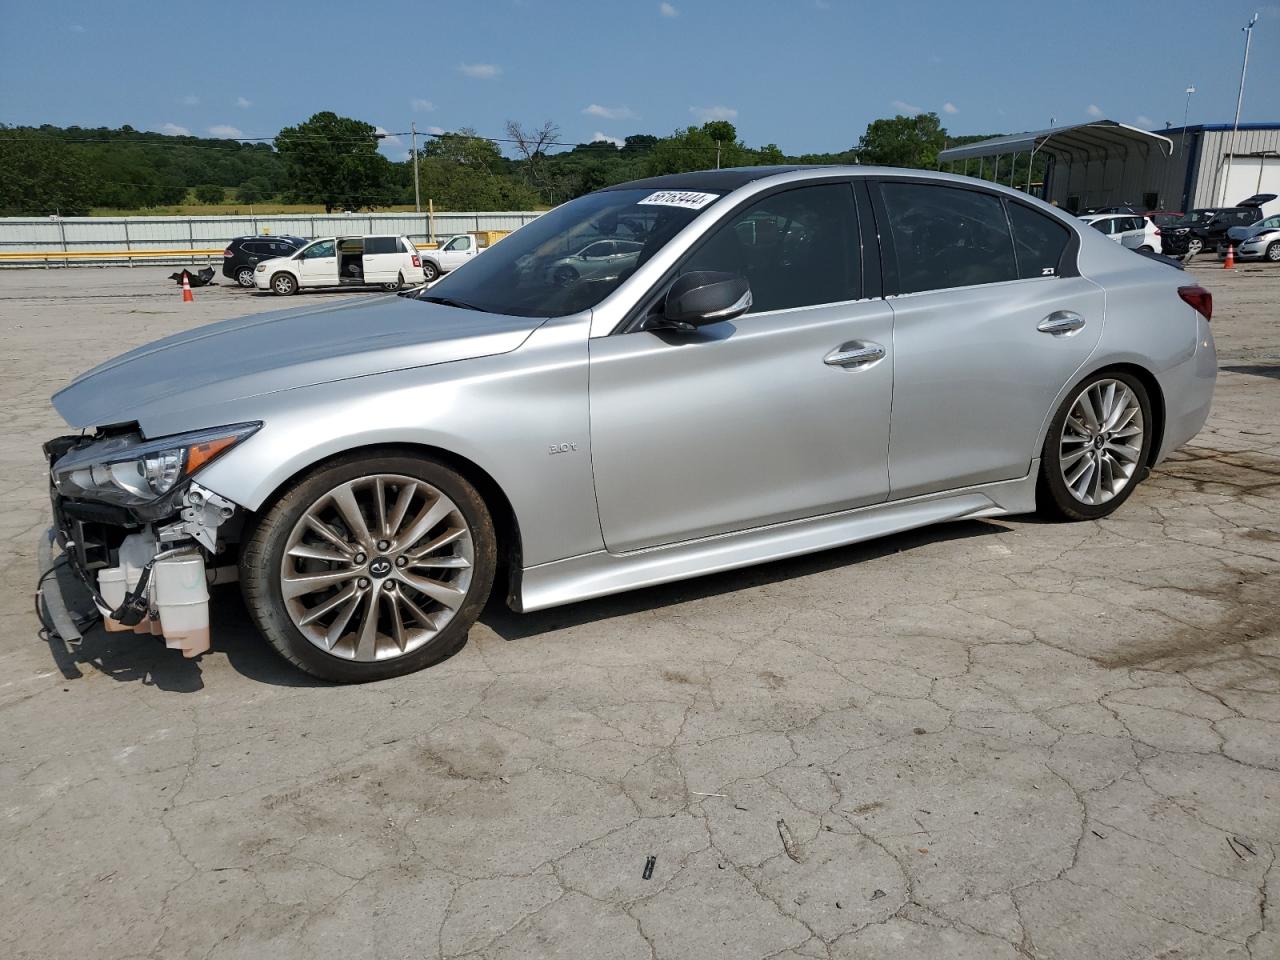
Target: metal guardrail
point(25, 257)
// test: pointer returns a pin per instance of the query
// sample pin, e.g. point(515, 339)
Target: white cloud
point(173, 130)
point(667, 10)
point(609, 113)
point(226, 130)
point(191, 100)
point(616, 141)
point(714, 113)
point(77, 28)
point(950, 107)
point(903, 107)
point(1094, 110)
point(437, 131)
point(1144, 121)
point(479, 71)
point(243, 103)
point(418, 105)
point(387, 139)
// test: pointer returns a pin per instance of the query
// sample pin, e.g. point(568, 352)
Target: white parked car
point(1127, 229)
point(450, 256)
point(1260, 241)
point(386, 261)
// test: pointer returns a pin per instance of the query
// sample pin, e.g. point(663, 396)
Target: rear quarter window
point(1039, 241)
point(382, 245)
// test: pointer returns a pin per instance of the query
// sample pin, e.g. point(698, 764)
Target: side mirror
point(703, 297)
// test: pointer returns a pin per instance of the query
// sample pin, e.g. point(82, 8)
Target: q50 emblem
point(555, 448)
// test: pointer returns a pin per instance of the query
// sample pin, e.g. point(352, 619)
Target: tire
point(430, 272)
point(564, 276)
point(1194, 246)
point(393, 287)
point(1273, 252)
point(244, 276)
point(411, 629)
point(284, 285)
point(1118, 467)
point(1145, 248)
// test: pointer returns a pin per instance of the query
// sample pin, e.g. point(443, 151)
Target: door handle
point(856, 353)
point(1061, 323)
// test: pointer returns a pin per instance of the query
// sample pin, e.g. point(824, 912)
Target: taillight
point(416, 262)
point(1157, 231)
point(1200, 299)
point(228, 253)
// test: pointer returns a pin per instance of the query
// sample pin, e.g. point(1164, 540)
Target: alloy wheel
point(1101, 442)
point(245, 277)
point(377, 567)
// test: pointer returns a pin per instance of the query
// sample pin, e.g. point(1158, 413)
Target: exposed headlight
point(131, 472)
point(260, 268)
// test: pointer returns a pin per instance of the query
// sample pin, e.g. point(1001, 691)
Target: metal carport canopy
point(1086, 137)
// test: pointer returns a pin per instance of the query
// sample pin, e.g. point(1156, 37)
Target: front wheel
point(429, 271)
point(373, 566)
point(1273, 252)
point(1097, 448)
point(284, 284)
point(1194, 246)
point(244, 276)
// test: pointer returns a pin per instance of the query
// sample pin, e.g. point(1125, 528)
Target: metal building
point(1105, 163)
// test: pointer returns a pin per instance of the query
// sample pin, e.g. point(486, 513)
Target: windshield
point(572, 257)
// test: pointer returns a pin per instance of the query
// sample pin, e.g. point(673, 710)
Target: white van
point(387, 262)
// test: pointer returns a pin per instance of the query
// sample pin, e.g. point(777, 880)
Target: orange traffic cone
point(187, 296)
point(1230, 262)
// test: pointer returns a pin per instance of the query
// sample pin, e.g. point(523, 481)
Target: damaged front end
point(141, 532)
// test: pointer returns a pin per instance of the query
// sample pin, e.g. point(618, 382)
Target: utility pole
point(1244, 68)
point(417, 198)
point(1186, 112)
point(717, 154)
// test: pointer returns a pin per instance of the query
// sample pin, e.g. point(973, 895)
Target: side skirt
point(601, 573)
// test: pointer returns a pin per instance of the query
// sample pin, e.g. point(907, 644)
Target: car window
point(1102, 226)
point(381, 245)
point(407, 245)
point(322, 248)
point(796, 249)
point(948, 237)
point(459, 243)
point(279, 249)
point(601, 248)
point(1038, 241)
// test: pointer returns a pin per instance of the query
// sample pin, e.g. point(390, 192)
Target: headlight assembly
point(132, 472)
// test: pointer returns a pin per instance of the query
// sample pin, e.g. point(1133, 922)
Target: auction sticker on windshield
point(688, 199)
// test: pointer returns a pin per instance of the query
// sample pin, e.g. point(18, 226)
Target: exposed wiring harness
point(80, 620)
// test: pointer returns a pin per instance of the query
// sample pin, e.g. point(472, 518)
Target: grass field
point(229, 210)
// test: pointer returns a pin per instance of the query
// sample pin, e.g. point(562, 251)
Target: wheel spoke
point(1085, 403)
point(339, 625)
point(1106, 402)
point(397, 625)
point(400, 508)
point(1130, 454)
point(320, 609)
point(445, 593)
point(306, 551)
point(417, 612)
point(443, 563)
point(367, 637)
point(344, 499)
point(1095, 482)
point(1069, 458)
point(1121, 411)
point(327, 533)
point(302, 584)
point(444, 539)
point(426, 521)
point(380, 505)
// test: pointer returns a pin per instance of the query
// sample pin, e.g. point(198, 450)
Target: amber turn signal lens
point(202, 453)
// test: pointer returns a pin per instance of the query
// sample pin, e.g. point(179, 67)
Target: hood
point(283, 350)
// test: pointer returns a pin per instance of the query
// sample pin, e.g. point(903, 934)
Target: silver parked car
point(795, 359)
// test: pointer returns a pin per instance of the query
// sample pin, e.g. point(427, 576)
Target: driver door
point(779, 414)
point(318, 264)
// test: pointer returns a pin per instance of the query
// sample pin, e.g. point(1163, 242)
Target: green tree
point(254, 190)
point(39, 175)
point(335, 161)
point(210, 193)
point(903, 142)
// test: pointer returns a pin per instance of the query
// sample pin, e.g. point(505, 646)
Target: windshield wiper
point(450, 302)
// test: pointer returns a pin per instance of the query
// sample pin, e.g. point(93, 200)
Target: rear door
point(986, 331)
point(382, 259)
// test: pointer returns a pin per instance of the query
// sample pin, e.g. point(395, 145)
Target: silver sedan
point(790, 359)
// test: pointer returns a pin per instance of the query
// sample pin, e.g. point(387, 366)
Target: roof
point(711, 181)
point(1201, 127)
point(1087, 137)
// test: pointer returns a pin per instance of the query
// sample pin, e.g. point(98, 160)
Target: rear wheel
point(392, 287)
point(244, 276)
point(1097, 446)
point(371, 567)
point(284, 284)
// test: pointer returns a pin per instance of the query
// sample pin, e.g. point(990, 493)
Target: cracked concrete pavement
point(987, 740)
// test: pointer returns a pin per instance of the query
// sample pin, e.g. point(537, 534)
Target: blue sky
point(805, 74)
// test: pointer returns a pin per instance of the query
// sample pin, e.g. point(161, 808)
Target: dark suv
point(245, 253)
point(1186, 237)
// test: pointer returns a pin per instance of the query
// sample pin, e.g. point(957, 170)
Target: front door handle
point(1061, 323)
point(856, 353)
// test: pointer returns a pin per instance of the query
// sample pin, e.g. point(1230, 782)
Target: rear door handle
point(1061, 323)
point(855, 353)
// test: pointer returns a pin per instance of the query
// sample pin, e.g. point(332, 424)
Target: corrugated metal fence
point(55, 241)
